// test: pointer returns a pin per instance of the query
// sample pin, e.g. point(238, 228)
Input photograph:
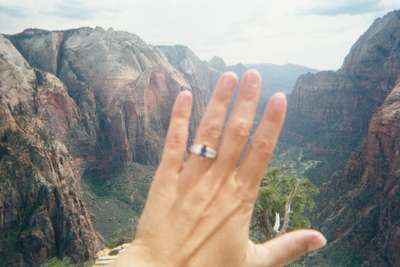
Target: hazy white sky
point(315, 33)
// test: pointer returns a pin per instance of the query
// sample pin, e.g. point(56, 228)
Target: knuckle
point(240, 129)
point(244, 200)
point(174, 140)
point(179, 113)
point(263, 146)
point(251, 95)
point(246, 197)
point(210, 130)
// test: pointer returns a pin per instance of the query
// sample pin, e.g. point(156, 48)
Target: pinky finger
point(176, 139)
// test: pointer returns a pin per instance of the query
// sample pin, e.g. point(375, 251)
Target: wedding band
point(203, 151)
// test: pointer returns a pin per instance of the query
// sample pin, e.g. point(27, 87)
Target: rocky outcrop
point(79, 102)
point(217, 63)
point(123, 87)
point(363, 224)
point(98, 99)
point(348, 123)
point(41, 211)
point(329, 111)
point(199, 74)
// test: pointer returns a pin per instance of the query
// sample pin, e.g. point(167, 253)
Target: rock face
point(200, 75)
point(79, 102)
point(41, 211)
point(92, 103)
point(329, 111)
point(348, 123)
point(123, 88)
point(363, 224)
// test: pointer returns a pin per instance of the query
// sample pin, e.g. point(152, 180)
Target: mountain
point(276, 78)
point(124, 89)
point(83, 108)
point(363, 224)
point(342, 131)
point(329, 112)
point(74, 103)
point(98, 102)
point(42, 214)
point(84, 113)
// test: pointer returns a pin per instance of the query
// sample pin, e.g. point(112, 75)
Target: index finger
point(178, 131)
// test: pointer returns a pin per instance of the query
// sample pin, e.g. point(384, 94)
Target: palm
point(198, 212)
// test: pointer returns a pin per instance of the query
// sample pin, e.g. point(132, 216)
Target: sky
point(313, 33)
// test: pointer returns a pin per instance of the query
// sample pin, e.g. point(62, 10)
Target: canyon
point(84, 113)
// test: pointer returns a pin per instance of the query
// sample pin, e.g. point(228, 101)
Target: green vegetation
point(46, 137)
point(9, 249)
point(14, 138)
point(287, 196)
point(295, 161)
point(340, 256)
point(116, 199)
point(116, 243)
point(56, 262)
point(40, 78)
point(64, 262)
point(21, 111)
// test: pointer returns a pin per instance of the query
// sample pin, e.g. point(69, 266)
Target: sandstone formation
point(360, 206)
point(124, 88)
point(92, 106)
point(329, 111)
point(347, 123)
point(76, 103)
point(41, 211)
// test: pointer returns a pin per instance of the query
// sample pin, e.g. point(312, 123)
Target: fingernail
point(278, 102)
point(185, 97)
point(228, 80)
point(253, 78)
point(317, 242)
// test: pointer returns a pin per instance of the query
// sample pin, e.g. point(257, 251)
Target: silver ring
point(203, 151)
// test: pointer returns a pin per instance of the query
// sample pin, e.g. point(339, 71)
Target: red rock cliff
point(123, 87)
point(41, 211)
point(329, 111)
point(360, 210)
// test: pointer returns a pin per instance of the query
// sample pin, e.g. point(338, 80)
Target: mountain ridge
point(347, 122)
point(96, 104)
point(41, 211)
point(338, 106)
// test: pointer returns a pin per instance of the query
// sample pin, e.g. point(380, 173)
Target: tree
point(282, 204)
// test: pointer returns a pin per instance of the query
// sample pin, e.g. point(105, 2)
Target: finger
point(261, 148)
point(240, 123)
point(212, 123)
point(176, 139)
point(286, 248)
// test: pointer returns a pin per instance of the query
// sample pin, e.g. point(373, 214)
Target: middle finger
point(210, 128)
point(239, 125)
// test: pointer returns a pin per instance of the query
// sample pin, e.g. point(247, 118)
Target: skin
point(198, 211)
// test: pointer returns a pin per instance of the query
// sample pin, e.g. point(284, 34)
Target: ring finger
point(211, 125)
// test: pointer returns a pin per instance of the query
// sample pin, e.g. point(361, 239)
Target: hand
point(198, 212)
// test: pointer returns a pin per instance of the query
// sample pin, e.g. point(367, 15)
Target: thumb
point(286, 248)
